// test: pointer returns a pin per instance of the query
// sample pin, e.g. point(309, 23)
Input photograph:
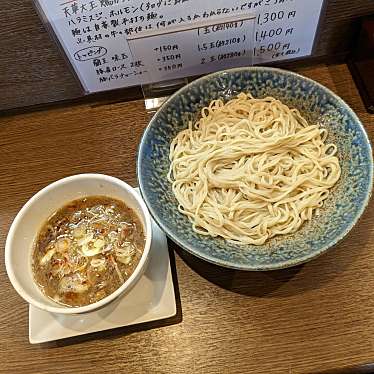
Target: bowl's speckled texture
point(341, 210)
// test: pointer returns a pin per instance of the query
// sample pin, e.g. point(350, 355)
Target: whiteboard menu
point(94, 33)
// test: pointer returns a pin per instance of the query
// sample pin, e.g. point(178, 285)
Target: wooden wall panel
point(29, 60)
point(32, 71)
point(340, 25)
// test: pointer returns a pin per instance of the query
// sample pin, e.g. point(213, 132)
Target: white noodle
point(251, 169)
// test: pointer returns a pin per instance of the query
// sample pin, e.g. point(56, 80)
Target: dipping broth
point(86, 250)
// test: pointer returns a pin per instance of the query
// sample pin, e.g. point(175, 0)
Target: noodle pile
point(251, 169)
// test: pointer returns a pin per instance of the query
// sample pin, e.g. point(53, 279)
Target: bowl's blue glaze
point(342, 209)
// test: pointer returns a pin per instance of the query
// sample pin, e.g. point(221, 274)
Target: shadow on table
point(360, 369)
point(285, 282)
point(251, 283)
point(127, 330)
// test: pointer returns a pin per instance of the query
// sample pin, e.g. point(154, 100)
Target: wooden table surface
point(314, 318)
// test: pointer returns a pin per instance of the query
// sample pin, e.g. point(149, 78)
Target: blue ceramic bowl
point(319, 105)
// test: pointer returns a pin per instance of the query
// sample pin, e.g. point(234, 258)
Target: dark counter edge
point(135, 93)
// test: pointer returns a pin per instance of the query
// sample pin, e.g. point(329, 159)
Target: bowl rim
point(232, 264)
point(101, 303)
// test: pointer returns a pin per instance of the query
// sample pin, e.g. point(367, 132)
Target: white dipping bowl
point(29, 220)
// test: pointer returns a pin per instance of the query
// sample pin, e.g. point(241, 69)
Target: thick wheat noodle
point(251, 169)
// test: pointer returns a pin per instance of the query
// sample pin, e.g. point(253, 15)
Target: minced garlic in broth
point(86, 250)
